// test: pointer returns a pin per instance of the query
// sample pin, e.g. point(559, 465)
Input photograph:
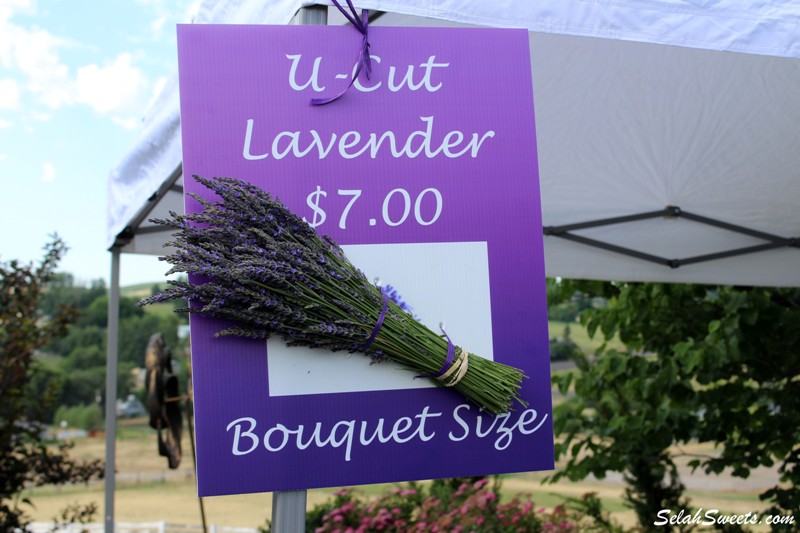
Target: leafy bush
point(80, 416)
point(450, 505)
point(564, 312)
point(564, 348)
point(724, 370)
point(25, 459)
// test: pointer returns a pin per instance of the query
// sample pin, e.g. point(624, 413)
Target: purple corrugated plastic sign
point(426, 173)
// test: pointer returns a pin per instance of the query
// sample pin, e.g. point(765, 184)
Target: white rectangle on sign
point(441, 282)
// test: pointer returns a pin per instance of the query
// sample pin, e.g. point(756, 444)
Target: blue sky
point(76, 76)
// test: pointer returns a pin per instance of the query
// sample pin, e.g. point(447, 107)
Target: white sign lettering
point(348, 434)
point(352, 144)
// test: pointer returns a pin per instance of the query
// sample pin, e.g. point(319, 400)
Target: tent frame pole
point(289, 507)
point(112, 356)
point(671, 212)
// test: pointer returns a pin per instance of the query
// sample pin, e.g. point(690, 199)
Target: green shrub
point(564, 348)
point(448, 505)
point(88, 416)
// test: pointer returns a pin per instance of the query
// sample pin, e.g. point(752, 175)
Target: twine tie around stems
point(461, 364)
point(458, 367)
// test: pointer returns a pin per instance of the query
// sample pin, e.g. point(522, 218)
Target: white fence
point(137, 527)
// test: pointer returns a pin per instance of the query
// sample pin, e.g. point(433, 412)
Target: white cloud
point(3, 157)
point(40, 116)
point(48, 173)
point(158, 24)
point(5, 123)
point(126, 123)
point(35, 54)
point(9, 94)
point(117, 87)
point(18, 5)
point(9, 7)
point(36, 78)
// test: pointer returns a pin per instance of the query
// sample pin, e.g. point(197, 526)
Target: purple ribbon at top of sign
point(362, 25)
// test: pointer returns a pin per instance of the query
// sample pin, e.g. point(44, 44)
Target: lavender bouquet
point(267, 272)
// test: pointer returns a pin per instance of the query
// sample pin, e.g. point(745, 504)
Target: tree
point(723, 368)
point(96, 313)
point(77, 338)
point(24, 458)
point(135, 332)
point(62, 289)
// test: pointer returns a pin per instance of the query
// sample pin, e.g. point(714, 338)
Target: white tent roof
point(640, 105)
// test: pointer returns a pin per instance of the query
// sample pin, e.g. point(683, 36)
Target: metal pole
point(289, 507)
point(289, 511)
point(312, 16)
point(190, 425)
point(112, 355)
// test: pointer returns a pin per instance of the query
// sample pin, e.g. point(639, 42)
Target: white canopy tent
point(673, 123)
point(625, 125)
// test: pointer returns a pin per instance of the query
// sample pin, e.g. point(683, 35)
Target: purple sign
point(426, 174)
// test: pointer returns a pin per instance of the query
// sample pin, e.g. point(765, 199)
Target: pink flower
point(480, 483)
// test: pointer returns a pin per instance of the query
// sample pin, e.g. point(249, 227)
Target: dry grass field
point(148, 492)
